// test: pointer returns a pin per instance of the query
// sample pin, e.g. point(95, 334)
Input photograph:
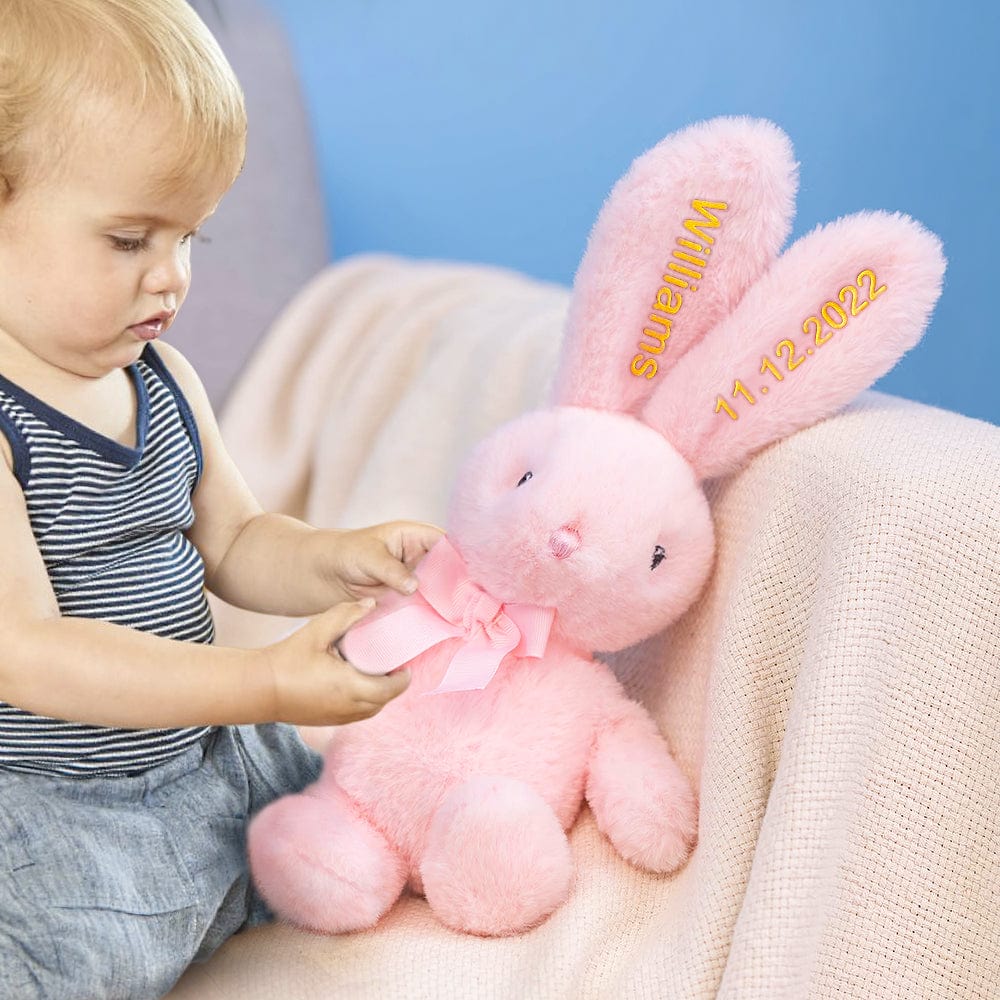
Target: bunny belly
point(535, 722)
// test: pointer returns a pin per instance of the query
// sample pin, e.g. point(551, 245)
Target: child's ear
point(832, 315)
point(682, 235)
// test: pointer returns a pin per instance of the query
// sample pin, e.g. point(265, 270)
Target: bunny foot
point(321, 865)
point(497, 860)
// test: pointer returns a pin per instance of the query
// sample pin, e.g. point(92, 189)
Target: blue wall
point(492, 131)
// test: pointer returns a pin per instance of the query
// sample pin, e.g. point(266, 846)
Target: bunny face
point(589, 512)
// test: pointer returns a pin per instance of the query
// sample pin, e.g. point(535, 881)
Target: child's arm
point(277, 564)
point(95, 672)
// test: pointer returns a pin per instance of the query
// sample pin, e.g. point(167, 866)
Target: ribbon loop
point(479, 608)
point(448, 605)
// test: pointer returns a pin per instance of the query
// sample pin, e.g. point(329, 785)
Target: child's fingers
point(385, 567)
point(398, 576)
point(314, 685)
point(378, 691)
point(367, 695)
point(418, 539)
point(422, 538)
point(332, 624)
point(374, 689)
point(410, 541)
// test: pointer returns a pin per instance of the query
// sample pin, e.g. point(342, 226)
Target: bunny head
point(588, 512)
point(582, 507)
point(689, 346)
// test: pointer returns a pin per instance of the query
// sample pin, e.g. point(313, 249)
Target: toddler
point(132, 749)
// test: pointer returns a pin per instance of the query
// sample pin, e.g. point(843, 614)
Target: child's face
point(95, 253)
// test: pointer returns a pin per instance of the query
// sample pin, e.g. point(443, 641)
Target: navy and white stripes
point(109, 521)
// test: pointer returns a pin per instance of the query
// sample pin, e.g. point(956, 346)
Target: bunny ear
point(832, 315)
point(682, 235)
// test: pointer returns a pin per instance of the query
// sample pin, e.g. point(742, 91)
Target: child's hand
point(365, 561)
point(313, 686)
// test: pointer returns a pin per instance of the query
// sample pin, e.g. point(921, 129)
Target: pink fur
point(437, 775)
point(468, 796)
point(903, 256)
point(616, 482)
point(341, 873)
point(530, 871)
point(744, 163)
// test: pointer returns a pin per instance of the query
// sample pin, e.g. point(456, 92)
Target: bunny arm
point(639, 796)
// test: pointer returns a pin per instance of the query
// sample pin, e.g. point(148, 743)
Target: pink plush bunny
point(690, 345)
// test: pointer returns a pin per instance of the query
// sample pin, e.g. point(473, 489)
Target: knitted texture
point(835, 692)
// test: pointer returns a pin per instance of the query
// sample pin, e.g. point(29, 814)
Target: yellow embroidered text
point(686, 267)
point(852, 300)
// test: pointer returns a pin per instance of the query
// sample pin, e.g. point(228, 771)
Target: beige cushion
point(835, 692)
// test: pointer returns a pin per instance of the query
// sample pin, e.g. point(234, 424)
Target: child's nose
point(169, 275)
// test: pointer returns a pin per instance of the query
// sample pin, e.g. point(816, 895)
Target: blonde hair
point(142, 54)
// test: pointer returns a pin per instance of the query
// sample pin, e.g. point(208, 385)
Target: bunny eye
point(659, 554)
point(525, 478)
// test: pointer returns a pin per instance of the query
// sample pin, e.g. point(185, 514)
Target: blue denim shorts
point(110, 887)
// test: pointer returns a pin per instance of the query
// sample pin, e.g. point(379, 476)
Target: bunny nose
point(564, 541)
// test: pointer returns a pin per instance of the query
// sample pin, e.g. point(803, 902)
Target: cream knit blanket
point(835, 692)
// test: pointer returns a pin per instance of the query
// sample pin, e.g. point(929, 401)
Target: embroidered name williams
point(686, 267)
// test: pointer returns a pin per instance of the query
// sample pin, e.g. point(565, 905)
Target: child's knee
point(278, 762)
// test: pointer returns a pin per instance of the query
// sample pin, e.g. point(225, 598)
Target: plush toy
point(689, 346)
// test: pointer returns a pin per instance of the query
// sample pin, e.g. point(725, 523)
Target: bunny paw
point(660, 836)
point(642, 801)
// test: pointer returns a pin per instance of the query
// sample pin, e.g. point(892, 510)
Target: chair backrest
point(269, 235)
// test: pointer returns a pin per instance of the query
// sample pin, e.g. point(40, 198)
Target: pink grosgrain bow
point(448, 605)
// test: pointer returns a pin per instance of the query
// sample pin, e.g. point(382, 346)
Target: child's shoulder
point(175, 362)
point(186, 377)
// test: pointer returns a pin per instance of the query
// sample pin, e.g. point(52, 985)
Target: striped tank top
point(109, 521)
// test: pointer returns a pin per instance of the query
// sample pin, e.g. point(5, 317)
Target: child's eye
point(659, 554)
point(129, 244)
point(525, 478)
